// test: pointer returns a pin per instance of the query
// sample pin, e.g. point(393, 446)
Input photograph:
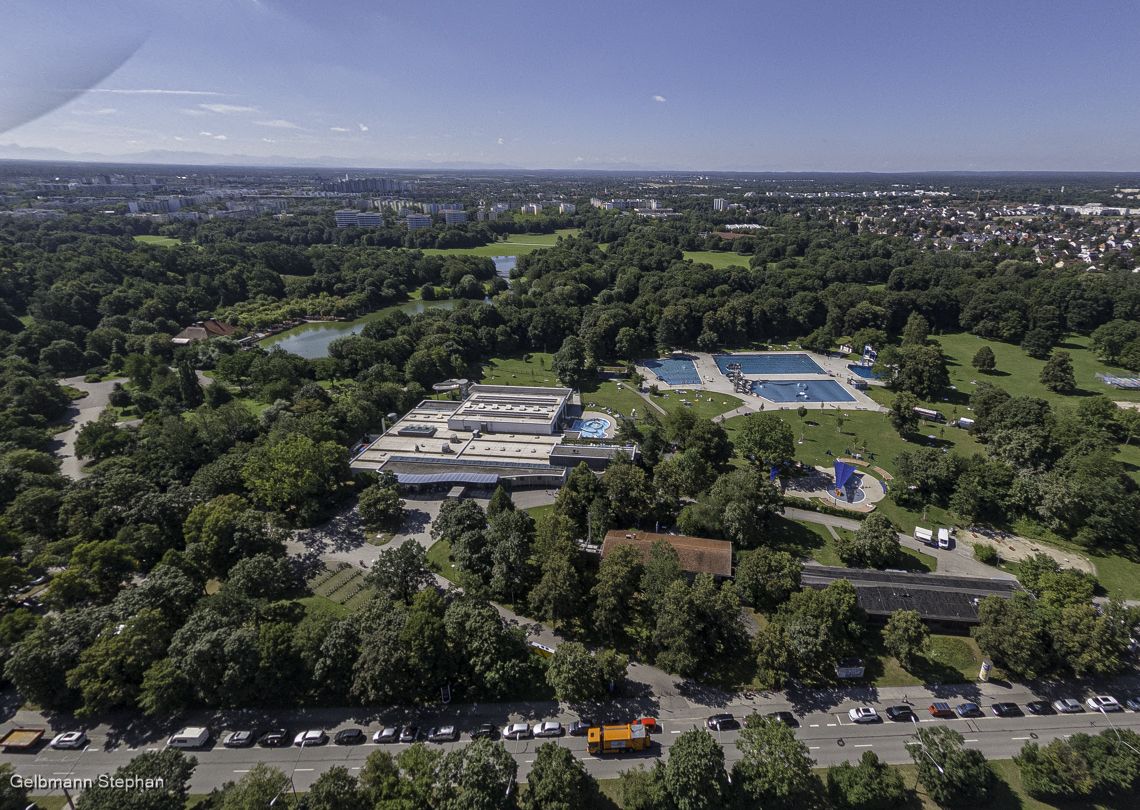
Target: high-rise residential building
point(416, 221)
point(346, 217)
point(720, 205)
point(567, 208)
point(369, 219)
point(454, 217)
point(488, 216)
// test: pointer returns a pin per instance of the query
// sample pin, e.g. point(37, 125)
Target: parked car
point(721, 722)
point(1104, 703)
point(550, 728)
point(863, 714)
point(312, 737)
point(899, 714)
point(969, 710)
point(274, 738)
point(69, 740)
point(488, 730)
point(941, 709)
point(1040, 707)
point(239, 739)
point(349, 736)
point(442, 734)
point(1006, 710)
point(579, 728)
point(516, 731)
point(1133, 704)
point(410, 734)
point(386, 735)
point(1068, 706)
point(787, 718)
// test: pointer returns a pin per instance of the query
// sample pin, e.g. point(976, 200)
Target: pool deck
point(715, 380)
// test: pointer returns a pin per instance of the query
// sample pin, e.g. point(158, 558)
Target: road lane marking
point(969, 740)
point(865, 745)
point(303, 769)
point(357, 768)
point(528, 760)
point(1021, 738)
point(813, 747)
point(674, 732)
point(245, 771)
point(815, 725)
point(831, 725)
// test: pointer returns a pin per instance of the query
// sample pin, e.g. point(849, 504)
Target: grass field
point(718, 260)
point(516, 245)
point(165, 241)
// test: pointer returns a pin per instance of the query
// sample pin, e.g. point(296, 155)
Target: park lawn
point(537, 513)
point(718, 260)
point(801, 539)
point(703, 408)
point(439, 560)
point(950, 659)
point(165, 241)
point(26, 320)
point(516, 245)
point(322, 604)
point(532, 368)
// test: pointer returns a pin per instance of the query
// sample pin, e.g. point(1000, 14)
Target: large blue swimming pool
point(770, 364)
point(674, 371)
point(802, 391)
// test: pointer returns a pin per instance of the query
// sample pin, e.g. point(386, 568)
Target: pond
point(504, 265)
point(312, 340)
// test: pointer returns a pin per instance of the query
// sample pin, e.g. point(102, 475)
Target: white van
point(944, 538)
point(924, 535)
point(190, 737)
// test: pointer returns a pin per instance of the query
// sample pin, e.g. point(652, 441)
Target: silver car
point(1068, 706)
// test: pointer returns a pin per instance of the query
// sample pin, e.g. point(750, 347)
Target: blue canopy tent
point(843, 473)
point(773, 473)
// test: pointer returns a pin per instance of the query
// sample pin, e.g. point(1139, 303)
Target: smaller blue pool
point(802, 391)
point(675, 371)
point(864, 371)
point(591, 428)
point(770, 364)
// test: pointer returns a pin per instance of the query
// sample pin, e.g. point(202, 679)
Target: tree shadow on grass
point(785, 534)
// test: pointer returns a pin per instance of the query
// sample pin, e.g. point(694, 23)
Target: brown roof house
point(698, 555)
point(201, 331)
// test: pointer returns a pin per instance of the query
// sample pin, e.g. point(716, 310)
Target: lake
point(312, 340)
point(504, 265)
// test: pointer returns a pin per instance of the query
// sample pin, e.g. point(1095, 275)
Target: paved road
point(956, 561)
point(81, 412)
point(824, 727)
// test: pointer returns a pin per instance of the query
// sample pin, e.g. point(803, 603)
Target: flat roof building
point(417, 221)
point(698, 555)
point(512, 409)
point(454, 217)
point(937, 598)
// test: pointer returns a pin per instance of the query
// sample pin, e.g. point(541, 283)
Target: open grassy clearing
point(516, 245)
point(342, 585)
point(718, 260)
point(165, 241)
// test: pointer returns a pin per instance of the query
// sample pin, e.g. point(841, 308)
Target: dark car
point(1006, 710)
point(899, 714)
point(488, 730)
point(349, 736)
point(410, 734)
point(970, 710)
point(1132, 703)
point(239, 739)
point(721, 722)
point(275, 738)
point(1040, 707)
point(787, 718)
point(579, 728)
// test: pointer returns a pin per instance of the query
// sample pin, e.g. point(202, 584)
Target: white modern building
point(416, 221)
point(720, 205)
point(454, 217)
point(346, 217)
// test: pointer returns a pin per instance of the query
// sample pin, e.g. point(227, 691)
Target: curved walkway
point(80, 413)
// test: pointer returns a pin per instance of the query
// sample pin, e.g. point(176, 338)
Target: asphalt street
point(830, 736)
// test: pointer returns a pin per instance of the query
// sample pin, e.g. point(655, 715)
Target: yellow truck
point(617, 739)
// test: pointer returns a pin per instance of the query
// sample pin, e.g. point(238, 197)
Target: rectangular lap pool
point(802, 391)
point(770, 364)
point(674, 371)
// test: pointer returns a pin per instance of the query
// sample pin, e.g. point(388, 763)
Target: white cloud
point(219, 137)
point(362, 127)
point(179, 138)
point(206, 134)
point(339, 129)
point(157, 92)
point(280, 123)
point(579, 159)
point(226, 108)
point(500, 141)
point(192, 112)
point(659, 98)
point(269, 140)
point(104, 111)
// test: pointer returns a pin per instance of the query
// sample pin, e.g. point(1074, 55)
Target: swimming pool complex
point(591, 428)
point(801, 391)
point(865, 372)
point(770, 364)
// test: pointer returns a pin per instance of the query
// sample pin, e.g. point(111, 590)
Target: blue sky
point(810, 85)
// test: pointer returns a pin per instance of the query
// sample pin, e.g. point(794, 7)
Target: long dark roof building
point(936, 597)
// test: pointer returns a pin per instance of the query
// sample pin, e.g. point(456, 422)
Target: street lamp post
point(924, 751)
point(1119, 740)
